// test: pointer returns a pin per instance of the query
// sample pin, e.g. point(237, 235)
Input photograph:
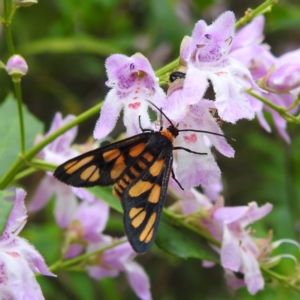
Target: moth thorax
point(170, 133)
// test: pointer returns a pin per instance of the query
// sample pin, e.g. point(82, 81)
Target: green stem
point(25, 173)
point(169, 67)
point(281, 279)
point(9, 10)
point(42, 165)
point(21, 160)
point(79, 119)
point(67, 263)
point(7, 7)
point(280, 110)
point(18, 92)
point(251, 14)
point(182, 223)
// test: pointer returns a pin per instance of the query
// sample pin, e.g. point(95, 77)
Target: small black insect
point(176, 75)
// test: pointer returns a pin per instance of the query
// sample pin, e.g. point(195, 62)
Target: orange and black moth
point(139, 167)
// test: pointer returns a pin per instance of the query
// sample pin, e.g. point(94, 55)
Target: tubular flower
point(85, 235)
point(133, 83)
point(192, 169)
point(18, 259)
point(57, 152)
point(206, 56)
point(280, 76)
point(119, 259)
point(239, 252)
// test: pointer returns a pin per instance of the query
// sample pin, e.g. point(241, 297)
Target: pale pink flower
point(133, 83)
point(18, 259)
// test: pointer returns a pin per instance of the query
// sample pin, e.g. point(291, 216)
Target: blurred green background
point(66, 43)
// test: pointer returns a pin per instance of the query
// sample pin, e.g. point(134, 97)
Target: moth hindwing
point(140, 168)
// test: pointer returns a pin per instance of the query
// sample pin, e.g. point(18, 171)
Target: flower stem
point(79, 119)
point(27, 156)
point(18, 93)
point(7, 7)
point(25, 173)
point(251, 14)
point(67, 263)
point(9, 10)
point(39, 164)
point(282, 111)
point(284, 280)
point(181, 222)
point(169, 67)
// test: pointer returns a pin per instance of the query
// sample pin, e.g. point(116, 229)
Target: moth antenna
point(209, 132)
point(162, 113)
point(194, 130)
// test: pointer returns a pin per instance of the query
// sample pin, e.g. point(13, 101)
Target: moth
point(139, 167)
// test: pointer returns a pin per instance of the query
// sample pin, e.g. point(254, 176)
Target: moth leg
point(143, 129)
point(173, 176)
point(188, 150)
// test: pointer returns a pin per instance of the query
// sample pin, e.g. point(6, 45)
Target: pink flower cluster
point(215, 56)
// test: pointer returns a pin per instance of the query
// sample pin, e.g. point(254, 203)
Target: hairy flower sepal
point(25, 3)
point(133, 83)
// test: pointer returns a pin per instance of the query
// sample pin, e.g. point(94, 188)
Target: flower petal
point(18, 215)
point(231, 102)
point(109, 114)
point(230, 252)
point(138, 280)
point(65, 204)
point(253, 277)
point(33, 258)
point(132, 113)
point(42, 194)
point(250, 34)
point(195, 85)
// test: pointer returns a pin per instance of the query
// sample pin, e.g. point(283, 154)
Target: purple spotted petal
point(133, 84)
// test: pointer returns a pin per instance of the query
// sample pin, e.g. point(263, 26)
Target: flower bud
point(25, 3)
point(16, 67)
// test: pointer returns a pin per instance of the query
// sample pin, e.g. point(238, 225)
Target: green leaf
point(105, 194)
point(5, 208)
point(284, 17)
point(10, 132)
point(183, 243)
point(175, 240)
point(74, 44)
